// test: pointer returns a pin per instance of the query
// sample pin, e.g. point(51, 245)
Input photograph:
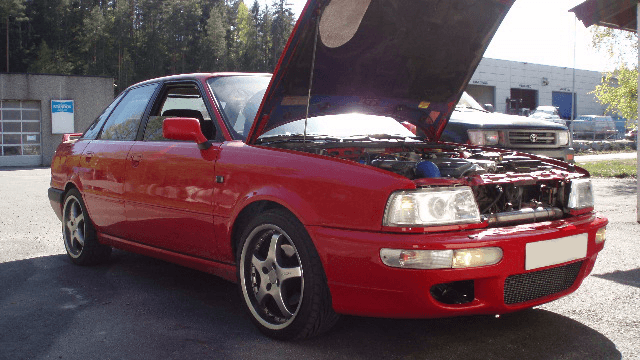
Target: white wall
point(505, 75)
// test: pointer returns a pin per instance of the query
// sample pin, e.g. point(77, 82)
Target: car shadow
point(628, 277)
point(135, 307)
point(626, 189)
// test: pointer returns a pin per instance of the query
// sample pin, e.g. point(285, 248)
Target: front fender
point(319, 190)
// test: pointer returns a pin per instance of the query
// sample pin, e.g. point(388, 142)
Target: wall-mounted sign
point(480, 82)
point(565, 89)
point(525, 86)
point(62, 116)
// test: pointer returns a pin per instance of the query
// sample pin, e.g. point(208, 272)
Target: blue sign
point(62, 117)
point(62, 106)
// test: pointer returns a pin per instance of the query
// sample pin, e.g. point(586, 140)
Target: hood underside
point(407, 59)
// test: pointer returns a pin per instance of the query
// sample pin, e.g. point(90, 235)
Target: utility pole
point(7, 43)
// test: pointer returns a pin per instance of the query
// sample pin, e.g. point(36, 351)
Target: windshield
point(468, 102)
point(344, 126)
point(239, 98)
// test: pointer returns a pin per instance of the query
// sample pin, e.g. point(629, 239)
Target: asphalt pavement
point(136, 307)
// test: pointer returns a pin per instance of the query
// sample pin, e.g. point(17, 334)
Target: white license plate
point(557, 251)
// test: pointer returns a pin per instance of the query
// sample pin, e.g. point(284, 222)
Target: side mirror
point(489, 107)
point(179, 128)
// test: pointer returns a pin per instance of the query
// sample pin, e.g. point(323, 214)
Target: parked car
point(471, 124)
point(314, 198)
point(548, 113)
point(594, 127)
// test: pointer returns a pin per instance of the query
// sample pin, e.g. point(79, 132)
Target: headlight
point(441, 259)
point(581, 195)
point(563, 138)
point(432, 206)
point(484, 137)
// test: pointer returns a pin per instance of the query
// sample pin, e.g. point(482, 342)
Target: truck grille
point(533, 285)
point(536, 138)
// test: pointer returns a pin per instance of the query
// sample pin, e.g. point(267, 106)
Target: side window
point(182, 100)
point(95, 127)
point(124, 121)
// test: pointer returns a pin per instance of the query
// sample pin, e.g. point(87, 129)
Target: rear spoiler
point(71, 137)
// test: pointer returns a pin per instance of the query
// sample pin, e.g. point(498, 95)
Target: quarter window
point(95, 127)
point(124, 122)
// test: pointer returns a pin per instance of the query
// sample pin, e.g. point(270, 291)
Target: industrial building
point(515, 87)
point(35, 110)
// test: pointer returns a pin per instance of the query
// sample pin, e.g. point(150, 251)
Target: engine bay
point(509, 187)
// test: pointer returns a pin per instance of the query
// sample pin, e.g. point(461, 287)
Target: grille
point(530, 286)
point(532, 138)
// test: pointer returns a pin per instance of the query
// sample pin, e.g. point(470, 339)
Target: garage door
point(563, 101)
point(20, 141)
point(483, 94)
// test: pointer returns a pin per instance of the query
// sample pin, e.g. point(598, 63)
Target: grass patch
point(612, 168)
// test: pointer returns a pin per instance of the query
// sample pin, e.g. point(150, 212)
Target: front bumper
point(362, 285)
point(56, 197)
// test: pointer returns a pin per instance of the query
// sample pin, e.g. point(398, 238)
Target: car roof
point(200, 76)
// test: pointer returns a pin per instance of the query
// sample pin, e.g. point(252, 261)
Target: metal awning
point(618, 14)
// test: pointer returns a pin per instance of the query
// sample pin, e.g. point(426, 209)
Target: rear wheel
point(282, 280)
point(79, 235)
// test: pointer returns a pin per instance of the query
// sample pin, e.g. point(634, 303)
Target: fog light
point(441, 259)
point(601, 235)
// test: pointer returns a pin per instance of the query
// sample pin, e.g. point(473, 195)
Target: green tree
point(619, 91)
point(214, 45)
point(247, 40)
point(49, 62)
point(619, 88)
point(281, 27)
point(10, 10)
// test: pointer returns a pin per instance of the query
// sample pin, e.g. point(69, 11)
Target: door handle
point(135, 159)
point(88, 155)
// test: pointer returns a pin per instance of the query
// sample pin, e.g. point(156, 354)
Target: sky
point(538, 32)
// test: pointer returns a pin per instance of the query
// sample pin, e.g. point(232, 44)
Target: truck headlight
point(581, 195)
point(484, 137)
point(432, 206)
point(563, 138)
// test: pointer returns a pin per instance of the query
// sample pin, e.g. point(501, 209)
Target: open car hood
point(407, 59)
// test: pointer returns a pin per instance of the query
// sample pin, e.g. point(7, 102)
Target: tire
point(281, 278)
point(79, 235)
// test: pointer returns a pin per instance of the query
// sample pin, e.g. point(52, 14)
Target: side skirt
point(225, 271)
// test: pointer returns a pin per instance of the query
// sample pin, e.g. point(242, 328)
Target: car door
point(103, 161)
point(169, 183)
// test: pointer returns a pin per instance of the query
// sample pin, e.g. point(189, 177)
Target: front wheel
point(281, 278)
point(79, 235)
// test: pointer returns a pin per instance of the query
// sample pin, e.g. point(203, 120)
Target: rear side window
point(124, 122)
point(95, 127)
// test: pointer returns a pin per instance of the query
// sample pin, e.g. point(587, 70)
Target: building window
point(20, 128)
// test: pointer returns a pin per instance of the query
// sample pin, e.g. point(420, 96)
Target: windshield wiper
point(458, 107)
point(373, 137)
point(295, 138)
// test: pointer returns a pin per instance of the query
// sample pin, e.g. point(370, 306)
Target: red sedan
point(305, 188)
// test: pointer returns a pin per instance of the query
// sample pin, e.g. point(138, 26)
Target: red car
point(305, 188)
